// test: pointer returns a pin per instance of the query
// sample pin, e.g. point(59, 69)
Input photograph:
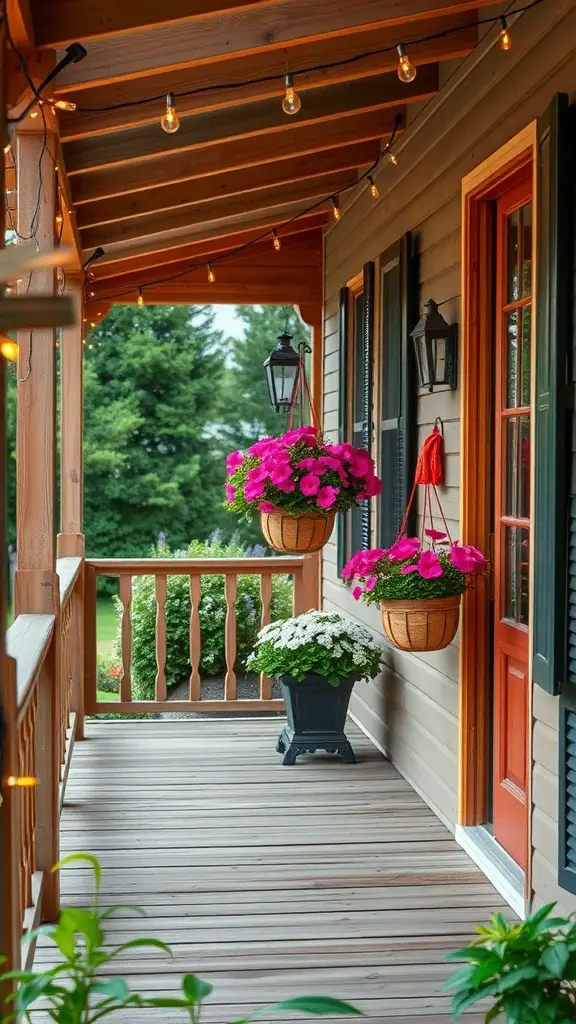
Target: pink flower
point(234, 460)
point(343, 451)
point(307, 434)
point(312, 465)
point(280, 474)
point(429, 565)
point(257, 474)
point(260, 447)
point(287, 486)
point(253, 490)
point(361, 464)
point(327, 496)
point(265, 506)
point(370, 583)
point(372, 489)
point(363, 563)
point(403, 548)
point(343, 476)
point(466, 558)
point(436, 534)
point(309, 484)
point(330, 462)
point(357, 593)
point(230, 492)
point(308, 463)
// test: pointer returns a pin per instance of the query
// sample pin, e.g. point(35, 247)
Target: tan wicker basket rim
point(430, 604)
point(311, 514)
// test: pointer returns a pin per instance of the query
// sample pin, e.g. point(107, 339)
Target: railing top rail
point(68, 570)
point(27, 641)
point(187, 566)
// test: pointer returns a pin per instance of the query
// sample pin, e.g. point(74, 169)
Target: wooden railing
point(303, 571)
point(42, 700)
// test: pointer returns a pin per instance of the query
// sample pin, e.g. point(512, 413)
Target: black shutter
point(555, 169)
point(567, 787)
point(398, 429)
point(366, 442)
point(341, 554)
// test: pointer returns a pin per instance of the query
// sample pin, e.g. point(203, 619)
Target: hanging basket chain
point(301, 393)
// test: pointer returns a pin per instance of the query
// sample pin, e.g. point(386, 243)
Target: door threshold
point(500, 869)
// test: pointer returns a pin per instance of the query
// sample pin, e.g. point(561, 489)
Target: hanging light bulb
point(211, 274)
point(9, 349)
point(505, 37)
point(59, 219)
point(7, 148)
point(336, 211)
point(20, 781)
point(65, 105)
point(170, 122)
point(373, 187)
point(92, 324)
point(291, 103)
point(140, 301)
point(392, 159)
point(406, 70)
point(276, 241)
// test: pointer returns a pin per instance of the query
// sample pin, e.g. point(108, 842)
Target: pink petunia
point(257, 474)
point(230, 492)
point(309, 484)
point(436, 534)
point(363, 563)
point(466, 558)
point(234, 460)
point(370, 583)
point(287, 486)
point(361, 464)
point(280, 474)
point(406, 569)
point(372, 489)
point(265, 506)
point(330, 462)
point(307, 434)
point(260, 447)
point(429, 565)
point(403, 548)
point(327, 496)
point(253, 490)
point(343, 451)
point(357, 593)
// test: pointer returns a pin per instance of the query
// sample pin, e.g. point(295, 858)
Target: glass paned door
point(512, 455)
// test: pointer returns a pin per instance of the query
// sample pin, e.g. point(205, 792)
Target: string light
point(373, 187)
point(406, 70)
point(392, 158)
point(211, 274)
point(505, 37)
point(336, 211)
point(21, 781)
point(59, 219)
point(34, 113)
point(140, 302)
point(276, 241)
point(170, 122)
point(7, 148)
point(291, 103)
point(9, 349)
point(64, 105)
point(92, 323)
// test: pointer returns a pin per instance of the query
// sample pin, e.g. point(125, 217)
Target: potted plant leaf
point(297, 483)
point(526, 969)
point(317, 657)
point(76, 990)
point(418, 585)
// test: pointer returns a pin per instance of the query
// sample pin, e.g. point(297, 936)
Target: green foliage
point(527, 969)
point(75, 991)
point(108, 672)
point(395, 586)
point(212, 613)
point(317, 643)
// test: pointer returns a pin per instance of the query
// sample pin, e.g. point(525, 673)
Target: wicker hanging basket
point(297, 534)
point(421, 625)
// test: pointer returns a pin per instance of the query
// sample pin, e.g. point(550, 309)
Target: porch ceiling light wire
point(344, 62)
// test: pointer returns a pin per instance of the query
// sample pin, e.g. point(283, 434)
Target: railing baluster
point(126, 638)
point(265, 598)
point(90, 673)
point(161, 692)
point(195, 637)
point(230, 639)
point(47, 835)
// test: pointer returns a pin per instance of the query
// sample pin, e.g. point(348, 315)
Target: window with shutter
point(567, 823)
point(398, 430)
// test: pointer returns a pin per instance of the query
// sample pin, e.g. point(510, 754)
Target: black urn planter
point(316, 713)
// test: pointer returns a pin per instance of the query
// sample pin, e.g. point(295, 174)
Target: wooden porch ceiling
point(238, 166)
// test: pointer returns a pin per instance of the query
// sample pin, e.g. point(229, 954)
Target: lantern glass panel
point(439, 361)
point(284, 381)
point(422, 356)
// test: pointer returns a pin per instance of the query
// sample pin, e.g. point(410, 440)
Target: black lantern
point(282, 373)
point(436, 349)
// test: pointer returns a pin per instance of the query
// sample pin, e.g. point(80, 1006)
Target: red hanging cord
point(429, 473)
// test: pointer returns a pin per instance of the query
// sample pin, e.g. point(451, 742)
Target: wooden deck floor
point(268, 881)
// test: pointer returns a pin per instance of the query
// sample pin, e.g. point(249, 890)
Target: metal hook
point(437, 421)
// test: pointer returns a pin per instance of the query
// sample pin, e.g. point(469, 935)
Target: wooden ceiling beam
point(147, 142)
point(62, 21)
point(231, 156)
point(218, 186)
point(213, 77)
point(216, 209)
point(169, 244)
point(215, 242)
point(267, 26)
point(19, 17)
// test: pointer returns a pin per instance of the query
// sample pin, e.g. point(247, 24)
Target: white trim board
point(495, 864)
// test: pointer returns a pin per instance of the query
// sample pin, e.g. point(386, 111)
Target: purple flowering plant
point(414, 569)
point(299, 472)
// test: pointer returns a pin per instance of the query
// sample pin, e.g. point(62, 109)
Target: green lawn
point(106, 625)
point(102, 695)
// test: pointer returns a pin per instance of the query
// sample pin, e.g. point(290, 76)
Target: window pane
point(512, 345)
point(517, 462)
point(527, 249)
point(525, 356)
point(516, 595)
point(512, 261)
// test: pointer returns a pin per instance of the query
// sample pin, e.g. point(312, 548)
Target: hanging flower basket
point(297, 483)
point(419, 581)
point(305, 532)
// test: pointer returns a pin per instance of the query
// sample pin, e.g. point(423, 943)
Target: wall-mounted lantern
point(282, 373)
point(435, 343)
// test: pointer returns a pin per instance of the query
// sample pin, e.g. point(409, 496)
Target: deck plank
point(269, 881)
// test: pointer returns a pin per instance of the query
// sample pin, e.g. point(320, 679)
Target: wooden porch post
point(313, 315)
point(36, 585)
point(71, 536)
